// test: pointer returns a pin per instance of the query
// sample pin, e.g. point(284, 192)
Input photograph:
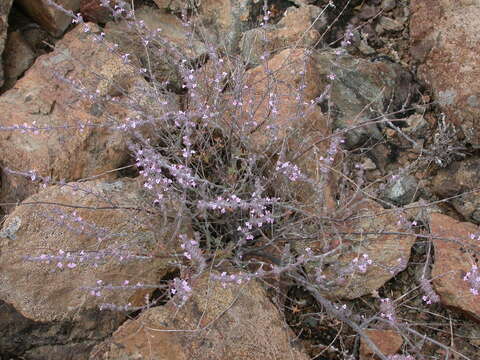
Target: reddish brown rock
point(387, 341)
point(237, 322)
point(57, 290)
point(299, 27)
point(79, 143)
point(48, 16)
point(93, 11)
point(367, 256)
point(162, 60)
point(224, 21)
point(445, 40)
point(455, 254)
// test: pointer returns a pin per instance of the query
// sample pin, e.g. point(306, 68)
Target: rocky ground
point(407, 68)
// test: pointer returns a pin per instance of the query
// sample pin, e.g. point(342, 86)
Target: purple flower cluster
point(387, 310)
point(291, 171)
point(473, 279)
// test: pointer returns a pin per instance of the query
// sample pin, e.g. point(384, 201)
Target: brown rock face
point(127, 245)
point(171, 45)
point(298, 28)
point(445, 40)
point(388, 342)
point(4, 10)
point(367, 257)
point(237, 322)
point(92, 10)
point(48, 16)
point(83, 139)
point(455, 254)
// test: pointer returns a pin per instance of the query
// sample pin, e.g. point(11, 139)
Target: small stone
point(390, 24)
point(388, 5)
point(365, 48)
point(368, 164)
point(402, 191)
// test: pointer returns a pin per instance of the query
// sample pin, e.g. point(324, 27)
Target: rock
point(4, 11)
point(54, 294)
point(388, 24)
point(402, 190)
point(236, 322)
point(93, 11)
point(224, 21)
point(50, 18)
point(455, 254)
point(360, 92)
point(447, 49)
point(368, 12)
point(388, 342)
point(461, 177)
point(388, 5)
point(367, 256)
point(43, 99)
point(175, 6)
point(19, 56)
point(299, 27)
point(292, 128)
point(365, 48)
point(160, 59)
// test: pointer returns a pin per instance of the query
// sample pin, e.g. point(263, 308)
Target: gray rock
point(402, 191)
point(361, 91)
point(388, 5)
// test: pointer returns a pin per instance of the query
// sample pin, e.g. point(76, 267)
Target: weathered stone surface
point(379, 256)
point(43, 100)
point(49, 292)
point(403, 190)
point(93, 11)
point(236, 322)
point(227, 19)
point(291, 130)
point(461, 182)
point(4, 10)
point(160, 59)
point(361, 91)
point(50, 18)
point(455, 254)
point(19, 56)
point(387, 341)
point(445, 41)
point(299, 27)
point(175, 5)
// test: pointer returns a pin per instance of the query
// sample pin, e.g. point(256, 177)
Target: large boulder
point(4, 11)
point(299, 27)
point(82, 135)
point(444, 41)
point(165, 51)
point(52, 19)
point(368, 251)
point(58, 245)
point(217, 323)
point(363, 91)
point(224, 21)
point(456, 255)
